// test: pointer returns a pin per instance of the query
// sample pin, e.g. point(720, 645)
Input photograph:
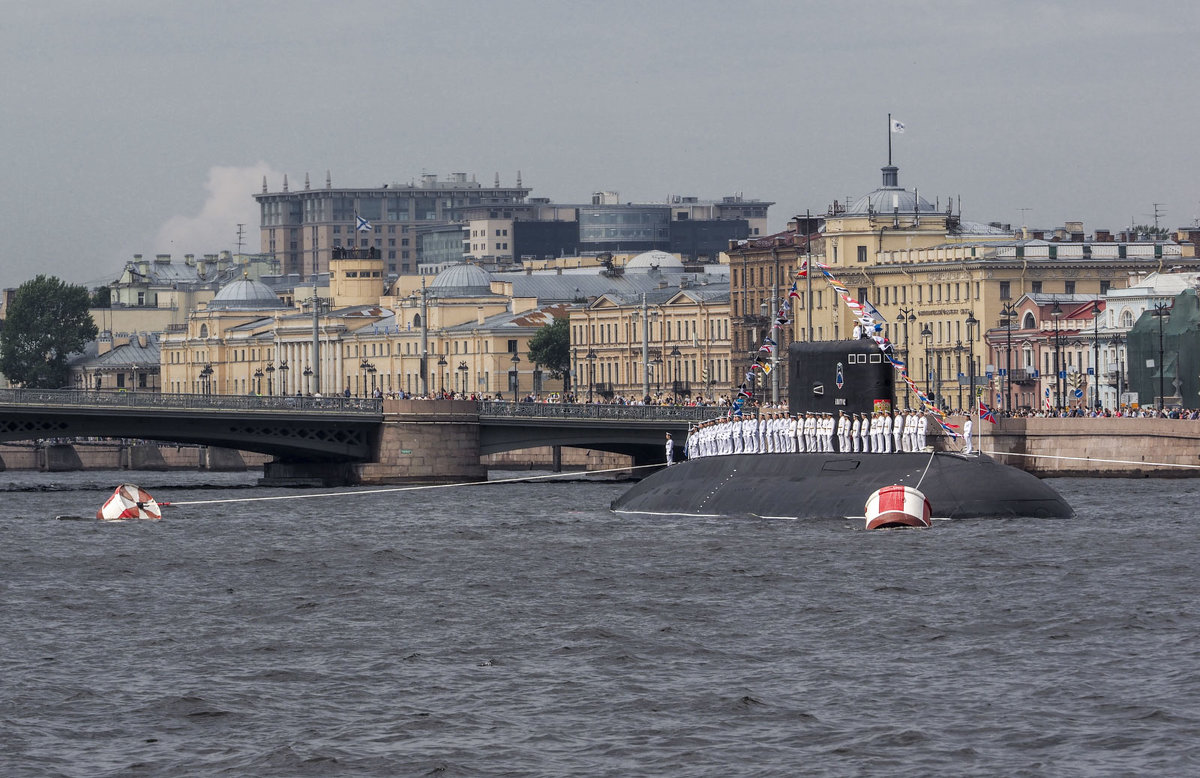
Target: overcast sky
point(146, 126)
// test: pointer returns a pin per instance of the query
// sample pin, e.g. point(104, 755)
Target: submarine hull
point(815, 485)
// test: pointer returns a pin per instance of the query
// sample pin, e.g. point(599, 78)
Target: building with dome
point(244, 294)
point(451, 334)
point(939, 282)
point(649, 261)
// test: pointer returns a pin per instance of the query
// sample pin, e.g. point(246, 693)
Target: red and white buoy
point(898, 506)
point(129, 502)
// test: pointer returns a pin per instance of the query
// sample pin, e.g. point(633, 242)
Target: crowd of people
point(776, 431)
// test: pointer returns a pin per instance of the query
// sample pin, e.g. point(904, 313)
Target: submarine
point(854, 376)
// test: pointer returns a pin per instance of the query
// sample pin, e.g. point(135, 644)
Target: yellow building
point(671, 341)
point(454, 336)
point(938, 282)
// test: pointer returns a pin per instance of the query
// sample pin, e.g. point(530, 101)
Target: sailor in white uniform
point(843, 431)
point(829, 432)
point(670, 450)
point(866, 434)
point(922, 432)
point(898, 433)
point(967, 436)
point(810, 432)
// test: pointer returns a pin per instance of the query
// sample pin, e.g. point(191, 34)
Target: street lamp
point(1161, 310)
point(927, 339)
point(678, 384)
point(364, 366)
point(1117, 341)
point(1056, 312)
point(442, 372)
point(1008, 312)
point(972, 330)
point(307, 377)
point(514, 376)
point(283, 371)
point(206, 379)
point(591, 360)
point(270, 378)
point(658, 363)
point(462, 375)
point(258, 375)
point(1096, 354)
point(959, 348)
point(907, 317)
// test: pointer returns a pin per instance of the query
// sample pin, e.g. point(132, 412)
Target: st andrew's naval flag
point(897, 126)
point(363, 224)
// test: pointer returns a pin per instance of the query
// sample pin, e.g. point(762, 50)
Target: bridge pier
point(425, 441)
point(59, 458)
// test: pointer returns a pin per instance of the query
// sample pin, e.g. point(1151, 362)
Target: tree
point(102, 297)
point(47, 321)
point(550, 347)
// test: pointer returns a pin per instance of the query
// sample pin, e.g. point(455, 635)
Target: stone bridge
point(345, 440)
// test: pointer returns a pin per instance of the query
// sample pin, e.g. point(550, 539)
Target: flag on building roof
point(363, 224)
point(897, 126)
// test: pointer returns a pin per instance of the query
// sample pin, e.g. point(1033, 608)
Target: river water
point(524, 629)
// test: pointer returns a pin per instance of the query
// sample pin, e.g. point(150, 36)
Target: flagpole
point(889, 131)
point(775, 327)
point(978, 430)
point(808, 275)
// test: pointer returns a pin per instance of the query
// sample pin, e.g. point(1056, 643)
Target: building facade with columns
point(938, 281)
point(671, 341)
point(454, 335)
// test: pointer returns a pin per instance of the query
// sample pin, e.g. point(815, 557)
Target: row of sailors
point(773, 432)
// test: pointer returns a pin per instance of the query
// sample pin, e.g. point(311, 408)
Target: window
point(1005, 290)
point(862, 253)
point(1036, 287)
point(1103, 288)
point(1069, 287)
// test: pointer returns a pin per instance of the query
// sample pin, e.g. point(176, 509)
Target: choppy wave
point(526, 629)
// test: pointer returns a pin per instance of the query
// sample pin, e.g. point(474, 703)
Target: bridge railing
point(151, 400)
point(496, 408)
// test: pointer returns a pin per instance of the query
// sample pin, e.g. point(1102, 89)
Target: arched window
point(1029, 323)
point(1126, 318)
point(416, 322)
point(204, 330)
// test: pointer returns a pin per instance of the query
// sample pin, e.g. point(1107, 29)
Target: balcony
point(1021, 375)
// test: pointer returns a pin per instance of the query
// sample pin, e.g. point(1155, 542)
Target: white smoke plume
point(230, 202)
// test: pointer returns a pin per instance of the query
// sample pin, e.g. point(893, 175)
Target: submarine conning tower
point(840, 375)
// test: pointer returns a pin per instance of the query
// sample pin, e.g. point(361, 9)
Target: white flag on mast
point(897, 126)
